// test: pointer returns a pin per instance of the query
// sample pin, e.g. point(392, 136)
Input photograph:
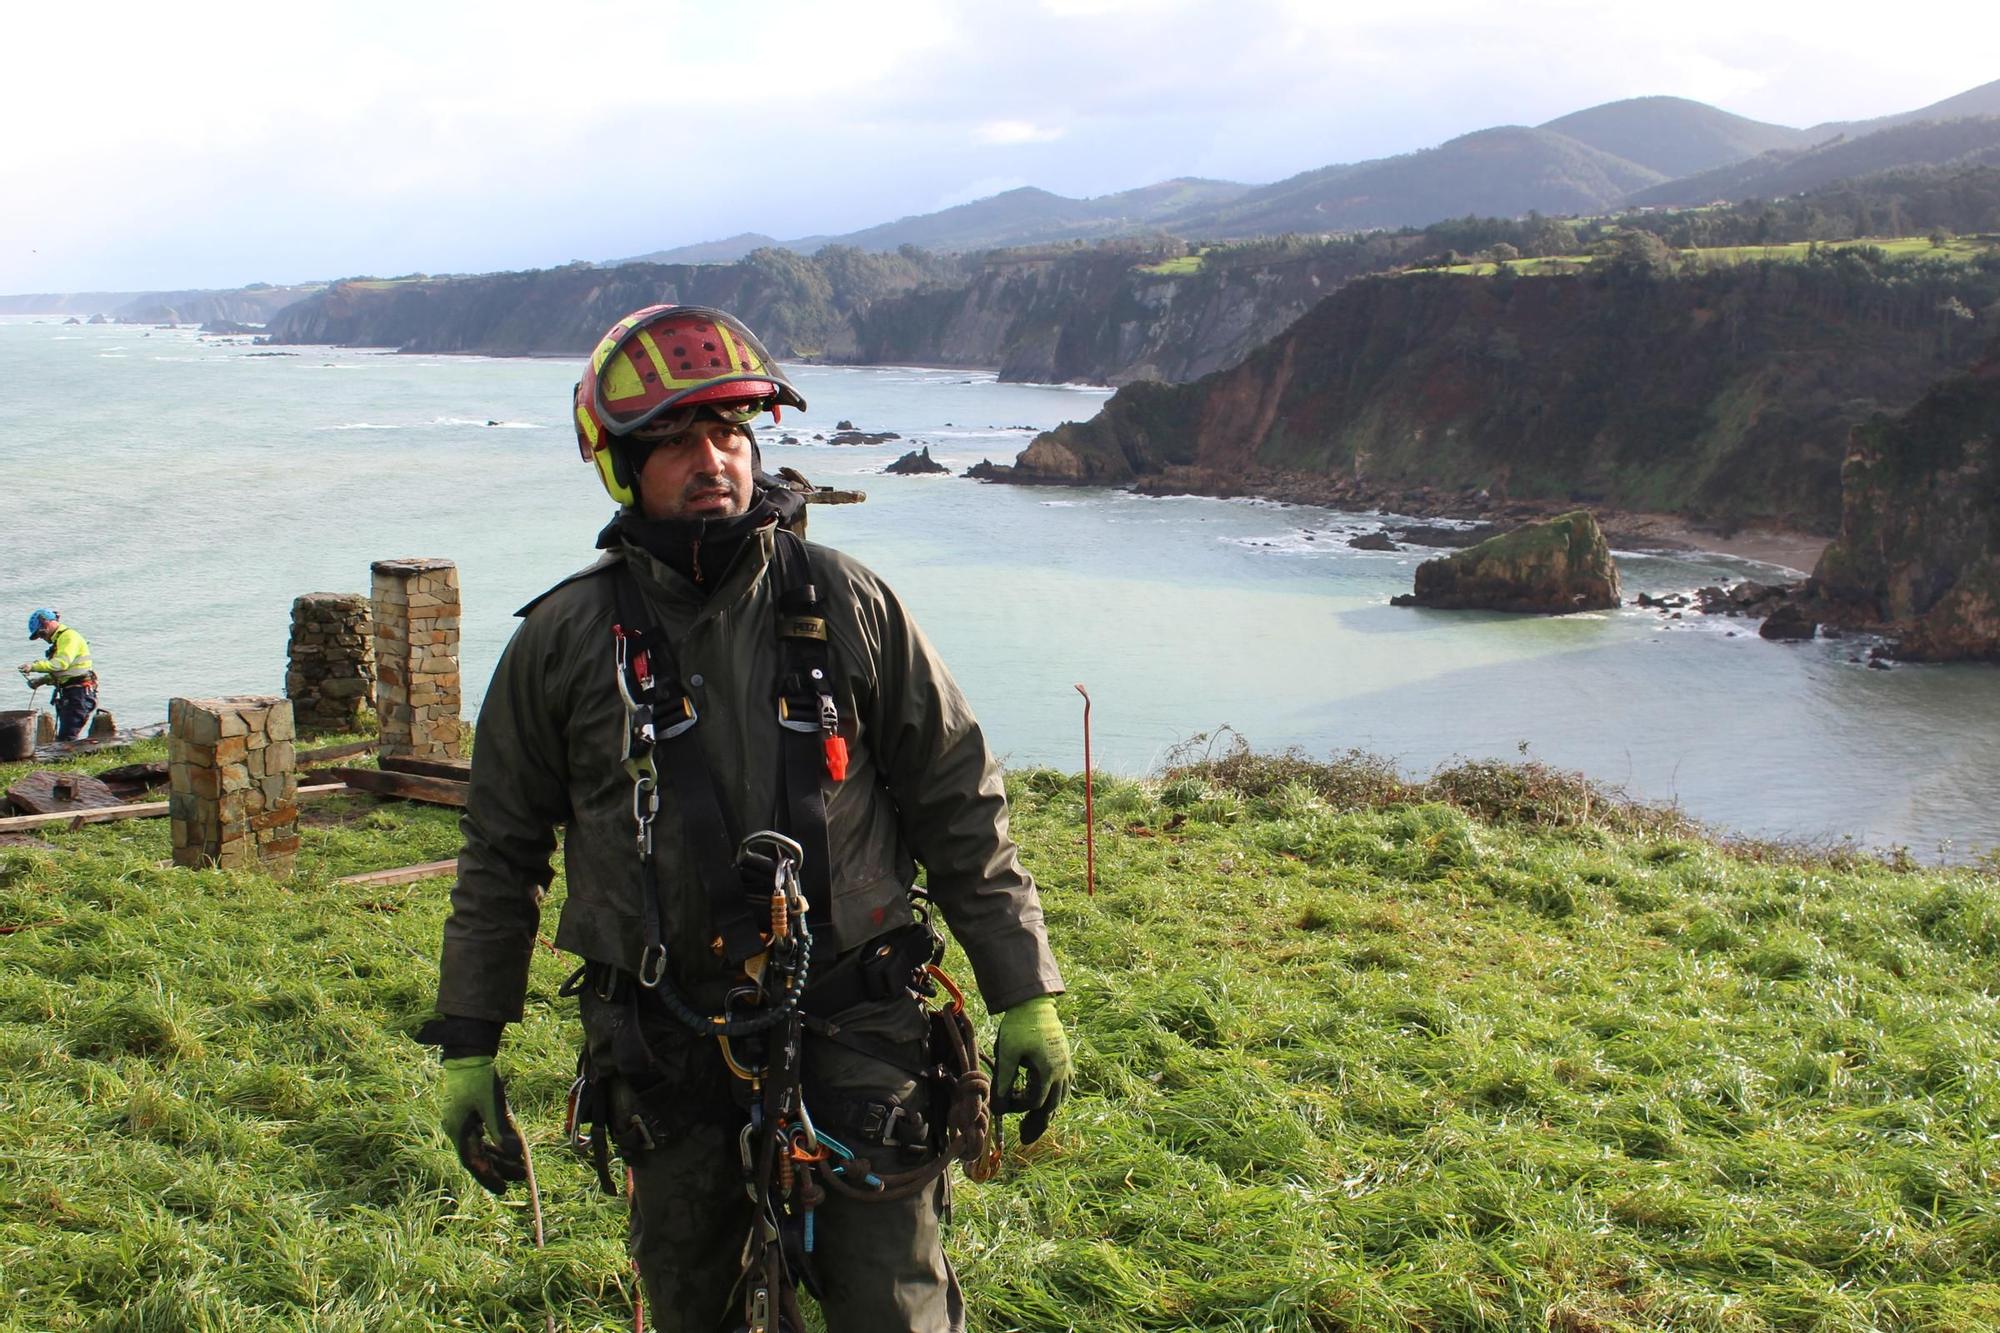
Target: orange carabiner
point(951, 987)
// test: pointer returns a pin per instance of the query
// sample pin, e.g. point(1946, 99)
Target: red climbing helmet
point(656, 368)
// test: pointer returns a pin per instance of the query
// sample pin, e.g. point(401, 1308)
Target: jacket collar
point(678, 594)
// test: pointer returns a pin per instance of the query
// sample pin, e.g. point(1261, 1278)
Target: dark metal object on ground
point(17, 734)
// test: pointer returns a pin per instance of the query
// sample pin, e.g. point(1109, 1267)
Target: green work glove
point(1031, 1038)
point(476, 1121)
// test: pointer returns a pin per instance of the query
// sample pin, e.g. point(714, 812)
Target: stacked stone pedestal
point(416, 608)
point(234, 789)
point(330, 672)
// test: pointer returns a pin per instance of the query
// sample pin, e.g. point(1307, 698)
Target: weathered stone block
point(191, 724)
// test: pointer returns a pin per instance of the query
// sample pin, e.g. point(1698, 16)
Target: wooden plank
point(144, 775)
point(402, 874)
point(454, 770)
point(48, 792)
point(404, 786)
point(143, 810)
point(328, 753)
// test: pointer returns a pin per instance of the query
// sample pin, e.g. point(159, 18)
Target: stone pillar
point(416, 657)
point(330, 671)
point(234, 788)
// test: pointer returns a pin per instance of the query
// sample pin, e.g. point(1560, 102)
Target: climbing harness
point(766, 901)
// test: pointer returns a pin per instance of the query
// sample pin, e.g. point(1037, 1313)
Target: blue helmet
point(40, 617)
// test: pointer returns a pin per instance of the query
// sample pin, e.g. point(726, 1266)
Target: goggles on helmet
point(671, 423)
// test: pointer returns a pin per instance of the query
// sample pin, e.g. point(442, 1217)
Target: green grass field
point(1494, 1051)
point(1185, 266)
point(1955, 250)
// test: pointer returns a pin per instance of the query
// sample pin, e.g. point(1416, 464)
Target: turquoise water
point(172, 494)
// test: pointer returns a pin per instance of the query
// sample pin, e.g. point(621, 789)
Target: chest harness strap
point(809, 719)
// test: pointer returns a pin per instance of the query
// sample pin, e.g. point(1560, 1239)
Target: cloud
point(456, 135)
point(1003, 132)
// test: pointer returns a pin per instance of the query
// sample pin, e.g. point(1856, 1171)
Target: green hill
point(1967, 142)
point(1673, 135)
point(1491, 1052)
point(1505, 172)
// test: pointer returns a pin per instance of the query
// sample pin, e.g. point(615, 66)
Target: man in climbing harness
point(65, 665)
point(752, 748)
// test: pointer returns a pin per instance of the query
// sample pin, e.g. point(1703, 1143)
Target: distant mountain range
point(1643, 151)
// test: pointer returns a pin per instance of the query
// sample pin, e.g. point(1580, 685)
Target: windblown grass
point(1489, 1051)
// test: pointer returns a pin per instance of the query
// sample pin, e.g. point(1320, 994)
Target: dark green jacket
point(922, 787)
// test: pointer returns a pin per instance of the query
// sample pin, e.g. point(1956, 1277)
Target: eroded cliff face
point(1726, 396)
point(1113, 315)
point(248, 305)
point(799, 306)
point(1110, 314)
point(1918, 554)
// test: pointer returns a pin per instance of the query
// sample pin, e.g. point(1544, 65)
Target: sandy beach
point(1796, 551)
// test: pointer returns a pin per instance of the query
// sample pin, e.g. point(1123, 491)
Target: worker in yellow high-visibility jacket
point(66, 665)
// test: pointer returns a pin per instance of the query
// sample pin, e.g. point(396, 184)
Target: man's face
point(703, 472)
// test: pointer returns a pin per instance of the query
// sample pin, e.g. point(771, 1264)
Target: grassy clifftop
point(1486, 1052)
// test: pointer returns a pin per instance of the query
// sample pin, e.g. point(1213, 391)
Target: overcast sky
point(216, 144)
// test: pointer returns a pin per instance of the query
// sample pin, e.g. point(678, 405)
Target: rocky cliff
point(798, 305)
point(255, 304)
point(1725, 395)
point(1099, 314)
point(1115, 314)
point(1918, 554)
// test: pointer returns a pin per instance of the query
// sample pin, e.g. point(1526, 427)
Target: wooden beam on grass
point(328, 753)
point(404, 786)
point(142, 810)
point(402, 874)
point(452, 770)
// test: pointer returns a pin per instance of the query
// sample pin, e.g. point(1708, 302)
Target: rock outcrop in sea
point(916, 463)
point(1553, 567)
point(1918, 556)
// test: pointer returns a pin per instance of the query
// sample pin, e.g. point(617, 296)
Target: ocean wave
point(361, 425)
point(1332, 540)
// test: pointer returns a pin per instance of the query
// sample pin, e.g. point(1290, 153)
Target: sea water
point(171, 493)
